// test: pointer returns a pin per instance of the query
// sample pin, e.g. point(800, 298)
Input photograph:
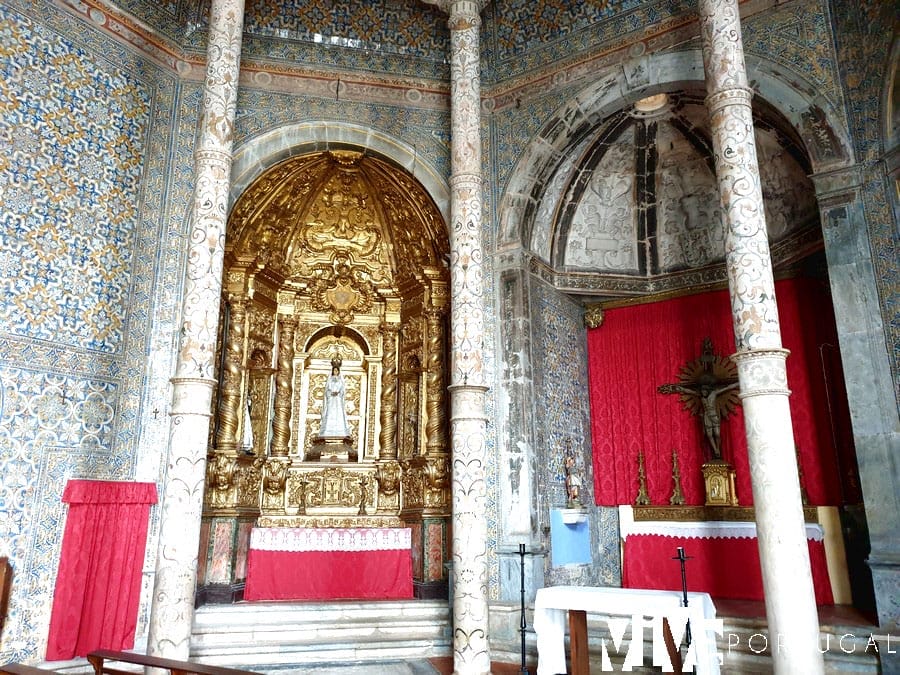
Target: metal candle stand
point(522, 622)
point(681, 557)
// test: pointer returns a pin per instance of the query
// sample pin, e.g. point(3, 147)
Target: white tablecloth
point(330, 538)
point(551, 607)
point(704, 529)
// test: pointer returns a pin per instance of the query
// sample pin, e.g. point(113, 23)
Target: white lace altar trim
point(698, 529)
point(330, 539)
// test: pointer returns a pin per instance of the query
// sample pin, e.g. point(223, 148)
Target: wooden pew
point(21, 669)
point(99, 658)
point(5, 589)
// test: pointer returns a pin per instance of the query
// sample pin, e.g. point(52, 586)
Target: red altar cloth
point(724, 557)
point(723, 566)
point(329, 564)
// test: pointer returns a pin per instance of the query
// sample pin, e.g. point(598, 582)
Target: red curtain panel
point(98, 584)
point(639, 348)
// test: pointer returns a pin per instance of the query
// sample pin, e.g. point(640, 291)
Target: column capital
point(459, 8)
point(762, 372)
point(731, 96)
point(839, 186)
point(473, 180)
point(467, 402)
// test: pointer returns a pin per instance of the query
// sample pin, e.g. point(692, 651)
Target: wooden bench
point(99, 658)
point(21, 669)
point(5, 589)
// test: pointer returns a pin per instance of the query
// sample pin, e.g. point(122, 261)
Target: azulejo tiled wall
point(561, 384)
point(71, 179)
point(84, 124)
point(521, 35)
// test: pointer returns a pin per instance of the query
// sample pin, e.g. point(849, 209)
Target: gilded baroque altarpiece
point(332, 256)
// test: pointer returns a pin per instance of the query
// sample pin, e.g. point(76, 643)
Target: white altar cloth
point(698, 529)
point(551, 606)
point(330, 539)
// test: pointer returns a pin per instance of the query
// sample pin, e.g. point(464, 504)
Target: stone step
point(260, 633)
point(281, 634)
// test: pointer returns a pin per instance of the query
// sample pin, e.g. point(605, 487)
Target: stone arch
point(266, 149)
point(347, 332)
point(890, 101)
point(815, 119)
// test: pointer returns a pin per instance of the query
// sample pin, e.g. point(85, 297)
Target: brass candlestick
point(643, 499)
point(677, 498)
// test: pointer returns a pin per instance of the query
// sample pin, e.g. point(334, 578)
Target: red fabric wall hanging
point(640, 347)
point(98, 584)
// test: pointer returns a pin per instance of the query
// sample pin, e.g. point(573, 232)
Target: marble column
point(284, 376)
point(761, 360)
point(468, 422)
point(172, 606)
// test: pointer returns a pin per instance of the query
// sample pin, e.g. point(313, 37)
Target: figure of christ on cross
point(705, 386)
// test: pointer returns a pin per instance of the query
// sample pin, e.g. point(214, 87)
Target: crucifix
point(708, 388)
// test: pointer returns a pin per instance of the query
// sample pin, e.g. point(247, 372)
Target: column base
point(886, 580)
point(430, 590)
point(219, 594)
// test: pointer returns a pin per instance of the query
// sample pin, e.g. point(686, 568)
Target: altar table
point(551, 605)
point(724, 557)
point(286, 563)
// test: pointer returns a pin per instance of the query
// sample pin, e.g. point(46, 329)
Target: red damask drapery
point(638, 348)
point(98, 585)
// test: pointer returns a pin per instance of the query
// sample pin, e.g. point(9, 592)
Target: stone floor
point(436, 666)
point(382, 668)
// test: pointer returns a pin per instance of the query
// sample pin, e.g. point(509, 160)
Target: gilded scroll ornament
point(593, 316)
point(387, 475)
point(220, 480)
point(341, 288)
point(274, 482)
point(436, 474)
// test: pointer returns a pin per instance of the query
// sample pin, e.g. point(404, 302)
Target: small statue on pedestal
point(333, 442)
point(573, 481)
point(334, 416)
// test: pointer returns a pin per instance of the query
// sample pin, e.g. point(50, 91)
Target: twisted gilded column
point(787, 580)
point(435, 438)
point(172, 605)
point(387, 439)
point(232, 372)
point(281, 422)
point(471, 653)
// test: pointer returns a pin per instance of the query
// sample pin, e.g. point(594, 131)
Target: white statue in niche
point(247, 440)
point(334, 415)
